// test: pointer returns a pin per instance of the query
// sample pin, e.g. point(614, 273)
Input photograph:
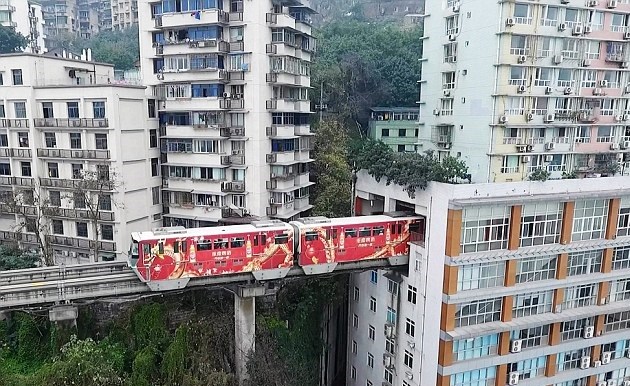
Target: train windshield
point(133, 249)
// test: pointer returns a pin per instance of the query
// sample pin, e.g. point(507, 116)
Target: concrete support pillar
point(65, 313)
point(245, 327)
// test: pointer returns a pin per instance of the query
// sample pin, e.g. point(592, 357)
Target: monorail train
point(166, 258)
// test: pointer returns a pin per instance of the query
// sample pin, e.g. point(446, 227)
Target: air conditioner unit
point(612, 4)
point(606, 357)
point(549, 118)
point(578, 29)
point(513, 378)
point(548, 158)
point(529, 116)
point(452, 37)
point(524, 159)
point(64, 253)
point(626, 89)
point(510, 22)
point(568, 91)
point(585, 363)
point(520, 89)
point(517, 344)
point(409, 375)
point(588, 29)
point(626, 383)
point(389, 330)
point(557, 59)
point(614, 146)
point(588, 332)
point(597, 363)
point(548, 90)
point(625, 145)
point(446, 93)
point(603, 83)
point(521, 59)
point(611, 382)
point(598, 91)
point(436, 112)
point(626, 35)
point(618, 118)
point(625, 117)
point(503, 119)
point(456, 6)
point(562, 26)
point(73, 254)
point(628, 353)
point(601, 383)
point(592, 3)
point(550, 146)
point(586, 63)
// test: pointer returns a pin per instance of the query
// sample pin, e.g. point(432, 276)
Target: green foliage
point(120, 48)
point(148, 327)
point(331, 171)
point(174, 363)
point(570, 175)
point(144, 367)
point(412, 171)
point(539, 174)
point(11, 41)
point(31, 340)
point(363, 65)
point(11, 257)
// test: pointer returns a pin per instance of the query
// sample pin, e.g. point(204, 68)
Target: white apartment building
point(232, 82)
point(27, 18)
point(521, 283)
point(58, 118)
point(516, 86)
point(124, 13)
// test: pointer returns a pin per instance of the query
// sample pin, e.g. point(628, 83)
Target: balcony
point(14, 123)
point(19, 181)
point(235, 16)
point(232, 104)
point(78, 214)
point(71, 122)
point(73, 154)
point(272, 210)
point(176, 20)
point(19, 209)
point(236, 46)
point(174, 47)
point(289, 105)
point(233, 160)
point(15, 152)
point(67, 184)
point(64, 241)
point(18, 236)
point(233, 187)
point(233, 132)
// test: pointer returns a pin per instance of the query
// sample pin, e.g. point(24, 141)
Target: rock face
point(371, 10)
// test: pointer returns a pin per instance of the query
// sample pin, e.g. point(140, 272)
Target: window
point(477, 347)
point(101, 141)
point(570, 49)
point(153, 138)
point(99, 110)
point(105, 202)
point(529, 368)
point(412, 294)
point(107, 232)
point(372, 304)
point(73, 109)
point(485, 228)
point(483, 275)
point(536, 268)
point(621, 258)
point(549, 16)
point(408, 359)
point(23, 139)
point(573, 329)
point(20, 109)
point(4, 140)
point(589, 219)
point(448, 80)
point(50, 139)
point(452, 25)
point(388, 376)
point(390, 346)
point(542, 77)
point(518, 76)
point(519, 45)
point(541, 223)
point(479, 377)
point(446, 106)
point(353, 372)
point(385, 133)
point(355, 347)
point(617, 321)
point(57, 227)
point(54, 196)
point(5, 169)
point(374, 277)
point(580, 296)
point(370, 360)
point(584, 263)
point(17, 77)
point(591, 49)
point(355, 321)
point(82, 229)
point(478, 311)
point(532, 303)
point(532, 337)
point(77, 171)
point(571, 359)
point(410, 327)
point(75, 140)
point(356, 294)
point(572, 17)
point(155, 195)
point(391, 315)
point(47, 109)
point(450, 52)
point(26, 168)
point(102, 172)
point(618, 22)
point(151, 108)
point(53, 170)
point(79, 200)
point(154, 167)
point(371, 332)
point(392, 286)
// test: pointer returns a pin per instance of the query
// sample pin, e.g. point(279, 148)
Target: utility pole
point(321, 106)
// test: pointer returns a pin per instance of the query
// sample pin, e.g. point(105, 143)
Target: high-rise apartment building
point(517, 86)
point(124, 13)
point(60, 17)
point(231, 81)
point(25, 17)
point(63, 121)
point(521, 283)
point(89, 17)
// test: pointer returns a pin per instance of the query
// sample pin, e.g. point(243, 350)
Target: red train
point(167, 258)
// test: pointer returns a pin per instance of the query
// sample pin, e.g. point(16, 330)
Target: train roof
point(170, 232)
point(309, 222)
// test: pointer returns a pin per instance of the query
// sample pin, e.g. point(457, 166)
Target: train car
point(324, 243)
point(166, 258)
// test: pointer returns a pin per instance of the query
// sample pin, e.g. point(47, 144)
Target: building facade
point(124, 13)
point(27, 18)
point(513, 283)
point(519, 86)
point(396, 126)
point(232, 82)
point(61, 121)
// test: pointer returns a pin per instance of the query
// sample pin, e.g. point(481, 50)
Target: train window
point(237, 242)
point(351, 233)
point(220, 244)
point(331, 234)
point(393, 228)
point(379, 230)
point(281, 239)
point(399, 228)
point(183, 245)
point(146, 250)
point(255, 241)
point(363, 232)
point(161, 247)
point(220, 263)
point(263, 239)
point(237, 262)
point(176, 247)
point(310, 236)
point(204, 245)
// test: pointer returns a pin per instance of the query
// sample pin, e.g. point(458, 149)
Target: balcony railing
point(20, 209)
point(233, 186)
point(77, 213)
point(232, 160)
point(71, 122)
point(272, 210)
point(21, 181)
point(233, 212)
point(18, 236)
point(104, 246)
point(68, 184)
point(15, 152)
point(231, 104)
point(14, 123)
point(77, 154)
point(233, 132)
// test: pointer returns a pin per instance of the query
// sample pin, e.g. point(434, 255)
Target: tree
point(11, 257)
point(11, 41)
point(93, 192)
point(539, 174)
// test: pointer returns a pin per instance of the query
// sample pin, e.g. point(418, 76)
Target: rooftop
point(395, 109)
